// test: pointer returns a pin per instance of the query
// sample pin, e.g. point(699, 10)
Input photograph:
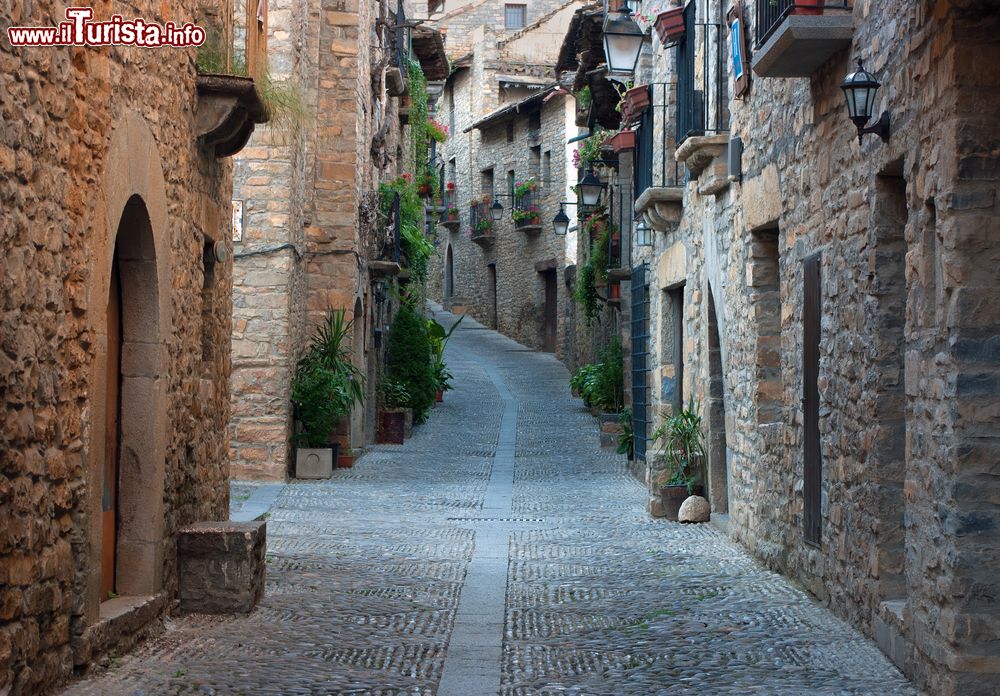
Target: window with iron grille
point(702, 94)
point(515, 16)
point(643, 170)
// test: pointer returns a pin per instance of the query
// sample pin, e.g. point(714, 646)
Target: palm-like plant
point(683, 446)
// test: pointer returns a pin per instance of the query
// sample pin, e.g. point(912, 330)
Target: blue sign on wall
point(734, 42)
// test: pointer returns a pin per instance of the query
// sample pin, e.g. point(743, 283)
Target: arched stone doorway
point(718, 456)
point(449, 274)
point(129, 314)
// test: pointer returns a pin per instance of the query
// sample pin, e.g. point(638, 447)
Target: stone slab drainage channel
point(474, 651)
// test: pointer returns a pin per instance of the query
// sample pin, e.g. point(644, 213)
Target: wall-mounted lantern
point(859, 89)
point(622, 41)
point(496, 210)
point(590, 188)
point(560, 223)
point(643, 234)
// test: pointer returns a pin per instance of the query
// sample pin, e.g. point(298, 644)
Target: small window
point(535, 162)
point(510, 183)
point(515, 16)
point(486, 182)
point(547, 168)
point(510, 132)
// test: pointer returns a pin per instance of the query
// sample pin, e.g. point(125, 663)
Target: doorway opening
point(551, 315)
point(718, 452)
point(449, 274)
point(131, 476)
point(491, 270)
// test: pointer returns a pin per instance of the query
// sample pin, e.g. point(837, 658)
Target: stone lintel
point(698, 151)
point(546, 265)
point(802, 44)
point(384, 268)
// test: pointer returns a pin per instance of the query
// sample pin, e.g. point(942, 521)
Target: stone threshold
point(123, 623)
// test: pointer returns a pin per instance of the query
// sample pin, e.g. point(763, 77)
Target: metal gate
point(640, 359)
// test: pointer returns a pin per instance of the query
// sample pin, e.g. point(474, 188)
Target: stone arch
point(718, 450)
point(130, 226)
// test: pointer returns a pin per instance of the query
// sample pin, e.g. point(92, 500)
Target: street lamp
point(859, 89)
point(643, 234)
point(622, 41)
point(590, 188)
point(496, 210)
point(560, 223)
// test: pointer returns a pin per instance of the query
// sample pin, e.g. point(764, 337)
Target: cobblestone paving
point(365, 573)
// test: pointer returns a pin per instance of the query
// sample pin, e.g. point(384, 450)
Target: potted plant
point(325, 387)
point(669, 26)
point(393, 398)
point(635, 102)
point(683, 451)
point(439, 338)
point(436, 131)
point(623, 140)
point(527, 216)
point(626, 438)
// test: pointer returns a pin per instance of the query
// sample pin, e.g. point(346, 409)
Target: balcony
point(796, 37)
point(450, 218)
point(658, 177)
point(389, 245)
point(398, 72)
point(480, 222)
point(527, 213)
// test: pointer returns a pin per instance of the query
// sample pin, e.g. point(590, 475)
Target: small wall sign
point(237, 221)
point(738, 49)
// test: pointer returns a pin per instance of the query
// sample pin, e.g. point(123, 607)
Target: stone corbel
point(228, 109)
point(661, 207)
point(698, 151)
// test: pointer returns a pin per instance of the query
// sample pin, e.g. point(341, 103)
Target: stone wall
point(906, 372)
point(305, 250)
point(92, 136)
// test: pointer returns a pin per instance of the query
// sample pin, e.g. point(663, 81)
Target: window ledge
point(802, 44)
point(661, 206)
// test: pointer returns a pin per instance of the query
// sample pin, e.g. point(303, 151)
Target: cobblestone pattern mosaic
point(365, 571)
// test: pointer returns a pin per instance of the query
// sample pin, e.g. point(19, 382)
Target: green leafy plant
point(527, 214)
point(525, 187)
point(409, 360)
point(326, 384)
point(599, 258)
point(683, 447)
point(583, 98)
point(415, 246)
point(439, 338)
point(393, 394)
point(585, 293)
point(626, 439)
point(601, 384)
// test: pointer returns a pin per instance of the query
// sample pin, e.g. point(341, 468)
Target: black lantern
point(560, 223)
point(590, 188)
point(496, 210)
point(622, 41)
point(859, 89)
point(643, 234)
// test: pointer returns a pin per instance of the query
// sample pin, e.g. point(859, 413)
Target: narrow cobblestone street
point(501, 549)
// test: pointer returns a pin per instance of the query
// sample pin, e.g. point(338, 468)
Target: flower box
point(635, 103)
point(670, 26)
point(623, 141)
point(807, 7)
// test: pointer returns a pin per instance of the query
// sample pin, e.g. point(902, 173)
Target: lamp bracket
point(879, 128)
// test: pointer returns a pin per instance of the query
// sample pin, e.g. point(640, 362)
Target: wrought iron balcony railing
point(771, 13)
point(480, 222)
point(702, 94)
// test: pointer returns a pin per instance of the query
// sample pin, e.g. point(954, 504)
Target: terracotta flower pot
point(672, 497)
point(623, 141)
point(439, 397)
point(807, 7)
point(670, 26)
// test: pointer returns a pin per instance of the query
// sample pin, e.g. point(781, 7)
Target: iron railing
point(399, 41)
point(771, 13)
point(640, 355)
point(391, 243)
point(480, 222)
point(701, 86)
point(654, 163)
point(528, 202)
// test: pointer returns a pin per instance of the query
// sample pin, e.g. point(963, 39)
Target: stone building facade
point(309, 196)
point(115, 331)
point(508, 123)
point(826, 305)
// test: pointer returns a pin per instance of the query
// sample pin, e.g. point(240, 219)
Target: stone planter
point(672, 497)
point(315, 462)
point(670, 26)
point(392, 426)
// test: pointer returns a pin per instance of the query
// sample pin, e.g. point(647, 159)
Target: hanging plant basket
point(670, 26)
point(623, 141)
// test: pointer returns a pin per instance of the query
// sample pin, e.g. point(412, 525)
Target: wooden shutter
point(812, 483)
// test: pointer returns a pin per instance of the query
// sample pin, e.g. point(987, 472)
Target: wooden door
point(551, 312)
point(109, 492)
